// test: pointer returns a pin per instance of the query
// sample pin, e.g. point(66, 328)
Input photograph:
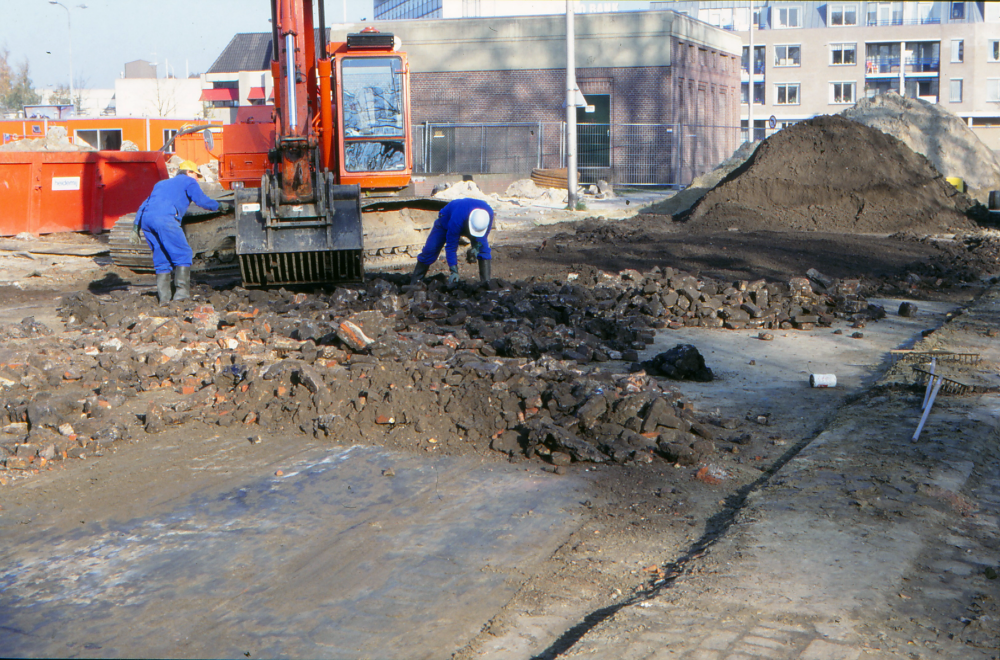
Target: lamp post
point(69, 27)
point(572, 102)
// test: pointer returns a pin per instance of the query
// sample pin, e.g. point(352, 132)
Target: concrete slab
point(331, 559)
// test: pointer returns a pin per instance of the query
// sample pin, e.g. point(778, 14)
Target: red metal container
point(44, 192)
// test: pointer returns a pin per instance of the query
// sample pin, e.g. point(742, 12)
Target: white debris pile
point(525, 189)
point(930, 130)
point(55, 140)
point(173, 163)
point(552, 197)
point(464, 189)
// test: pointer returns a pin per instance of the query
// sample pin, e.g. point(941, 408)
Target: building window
point(843, 15)
point(167, 134)
point(874, 87)
point(842, 92)
point(925, 89)
point(993, 50)
point(758, 59)
point(993, 90)
point(786, 94)
point(956, 90)
point(789, 17)
point(105, 139)
point(787, 55)
point(841, 54)
point(758, 93)
point(957, 50)
point(927, 12)
point(958, 11)
point(885, 13)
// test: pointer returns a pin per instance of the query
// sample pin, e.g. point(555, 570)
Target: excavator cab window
point(373, 103)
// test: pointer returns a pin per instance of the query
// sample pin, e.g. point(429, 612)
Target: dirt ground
point(645, 522)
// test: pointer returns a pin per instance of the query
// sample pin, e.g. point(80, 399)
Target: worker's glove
point(134, 237)
point(473, 252)
point(453, 277)
point(225, 207)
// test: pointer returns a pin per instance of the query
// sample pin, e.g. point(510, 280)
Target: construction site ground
point(812, 528)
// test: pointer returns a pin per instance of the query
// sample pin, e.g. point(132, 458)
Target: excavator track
point(215, 256)
point(395, 229)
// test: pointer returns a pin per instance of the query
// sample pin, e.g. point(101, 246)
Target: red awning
point(256, 94)
point(220, 94)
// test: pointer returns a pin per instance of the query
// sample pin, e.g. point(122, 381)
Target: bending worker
point(472, 218)
point(160, 217)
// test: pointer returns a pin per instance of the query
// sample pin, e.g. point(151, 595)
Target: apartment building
point(387, 10)
point(812, 58)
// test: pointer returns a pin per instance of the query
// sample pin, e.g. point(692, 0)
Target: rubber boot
point(163, 291)
point(419, 272)
point(182, 283)
point(484, 270)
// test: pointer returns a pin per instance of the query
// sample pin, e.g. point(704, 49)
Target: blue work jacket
point(454, 219)
point(170, 199)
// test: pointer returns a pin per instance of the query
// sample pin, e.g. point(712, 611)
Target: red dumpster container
point(45, 192)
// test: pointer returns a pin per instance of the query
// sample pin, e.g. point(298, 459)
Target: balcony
point(882, 66)
point(923, 64)
point(896, 20)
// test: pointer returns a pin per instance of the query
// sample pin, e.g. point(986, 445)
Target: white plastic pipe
point(930, 384)
point(927, 410)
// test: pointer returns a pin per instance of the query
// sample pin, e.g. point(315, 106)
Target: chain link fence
point(622, 154)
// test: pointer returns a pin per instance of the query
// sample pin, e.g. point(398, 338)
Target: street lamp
point(69, 27)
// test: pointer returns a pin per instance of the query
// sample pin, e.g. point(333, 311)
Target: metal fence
point(622, 154)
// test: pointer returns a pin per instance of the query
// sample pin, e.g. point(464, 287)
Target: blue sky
point(186, 35)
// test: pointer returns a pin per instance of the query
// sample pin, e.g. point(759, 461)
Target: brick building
point(662, 91)
point(487, 94)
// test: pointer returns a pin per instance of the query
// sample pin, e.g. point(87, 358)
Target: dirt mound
point(932, 131)
point(686, 198)
point(832, 174)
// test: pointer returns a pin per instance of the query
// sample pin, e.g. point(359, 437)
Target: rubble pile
point(55, 140)
point(972, 257)
point(831, 174)
point(526, 368)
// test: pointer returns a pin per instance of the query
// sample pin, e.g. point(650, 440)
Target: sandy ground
point(493, 559)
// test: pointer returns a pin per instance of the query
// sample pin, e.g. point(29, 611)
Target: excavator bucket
point(304, 245)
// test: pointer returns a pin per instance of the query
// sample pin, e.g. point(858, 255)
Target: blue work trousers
point(167, 241)
point(435, 241)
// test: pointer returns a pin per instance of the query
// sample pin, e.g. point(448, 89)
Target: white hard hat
point(479, 222)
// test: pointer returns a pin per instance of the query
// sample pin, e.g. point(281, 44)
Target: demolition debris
point(532, 368)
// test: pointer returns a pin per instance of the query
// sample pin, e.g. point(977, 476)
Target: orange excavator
point(334, 158)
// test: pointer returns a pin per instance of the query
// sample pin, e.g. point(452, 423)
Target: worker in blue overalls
point(160, 217)
point(472, 218)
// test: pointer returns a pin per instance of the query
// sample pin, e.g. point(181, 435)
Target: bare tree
point(164, 104)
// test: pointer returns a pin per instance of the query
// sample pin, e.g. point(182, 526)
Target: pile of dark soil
point(831, 174)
